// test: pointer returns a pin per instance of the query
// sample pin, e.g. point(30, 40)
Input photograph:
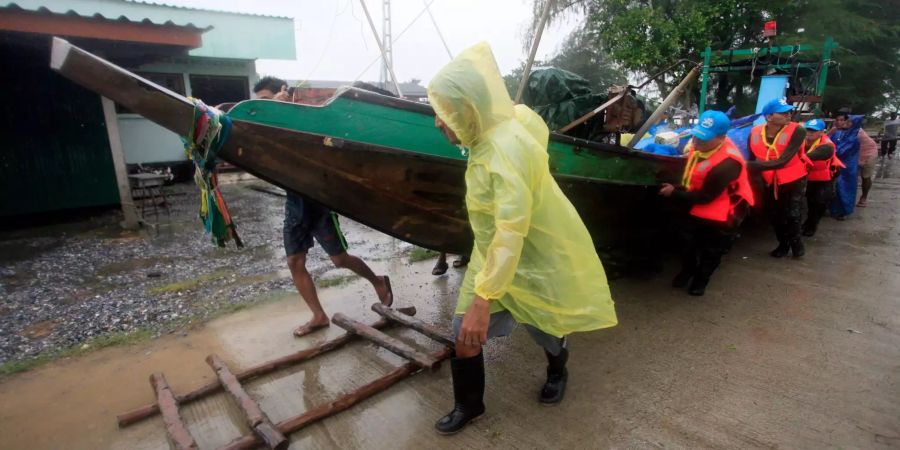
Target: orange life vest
point(723, 207)
point(794, 170)
point(824, 170)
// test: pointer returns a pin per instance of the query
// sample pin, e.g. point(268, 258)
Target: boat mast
point(386, 43)
point(534, 47)
point(386, 61)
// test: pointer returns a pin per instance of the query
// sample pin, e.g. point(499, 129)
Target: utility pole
point(387, 61)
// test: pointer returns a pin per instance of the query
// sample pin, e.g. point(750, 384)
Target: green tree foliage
point(866, 76)
point(579, 56)
point(646, 36)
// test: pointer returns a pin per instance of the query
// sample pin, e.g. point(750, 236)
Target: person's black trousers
point(784, 203)
point(888, 147)
point(703, 244)
point(818, 195)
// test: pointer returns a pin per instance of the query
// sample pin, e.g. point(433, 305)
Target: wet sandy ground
point(779, 353)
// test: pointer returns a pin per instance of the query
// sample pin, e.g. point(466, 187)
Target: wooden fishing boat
point(380, 161)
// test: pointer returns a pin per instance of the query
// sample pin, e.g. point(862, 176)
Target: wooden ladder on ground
point(271, 435)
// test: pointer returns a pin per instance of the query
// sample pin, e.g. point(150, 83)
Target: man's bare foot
point(384, 291)
point(311, 326)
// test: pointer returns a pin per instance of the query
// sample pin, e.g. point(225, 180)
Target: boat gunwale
point(363, 95)
point(352, 145)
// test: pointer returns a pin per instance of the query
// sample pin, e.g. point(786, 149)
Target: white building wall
point(144, 142)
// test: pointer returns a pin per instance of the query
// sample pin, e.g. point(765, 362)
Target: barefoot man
point(304, 220)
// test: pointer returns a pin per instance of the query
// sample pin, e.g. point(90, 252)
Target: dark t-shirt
point(298, 208)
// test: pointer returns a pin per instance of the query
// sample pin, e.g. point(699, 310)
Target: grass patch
point(90, 345)
point(421, 254)
point(189, 284)
point(336, 281)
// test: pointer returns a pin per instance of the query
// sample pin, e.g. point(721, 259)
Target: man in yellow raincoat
point(533, 261)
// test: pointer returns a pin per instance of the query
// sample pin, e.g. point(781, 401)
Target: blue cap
point(815, 125)
point(710, 125)
point(779, 105)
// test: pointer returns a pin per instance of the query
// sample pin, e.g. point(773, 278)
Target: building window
point(171, 81)
point(216, 89)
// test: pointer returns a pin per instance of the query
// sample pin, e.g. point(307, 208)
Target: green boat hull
point(380, 161)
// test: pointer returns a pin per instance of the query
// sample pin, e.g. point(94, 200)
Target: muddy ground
point(779, 354)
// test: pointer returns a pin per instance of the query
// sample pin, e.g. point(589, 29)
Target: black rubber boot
point(682, 279)
point(557, 376)
point(781, 251)
point(468, 393)
point(698, 286)
point(808, 230)
point(797, 248)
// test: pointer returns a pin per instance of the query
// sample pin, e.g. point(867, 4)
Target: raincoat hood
point(469, 95)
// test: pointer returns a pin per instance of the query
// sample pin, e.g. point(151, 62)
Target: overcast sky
point(334, 41)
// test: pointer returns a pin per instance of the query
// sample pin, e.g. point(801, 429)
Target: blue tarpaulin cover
point(739, 134)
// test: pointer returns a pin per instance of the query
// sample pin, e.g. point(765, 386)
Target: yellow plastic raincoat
point(533, 255)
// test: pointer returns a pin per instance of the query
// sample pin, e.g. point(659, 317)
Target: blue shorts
point(305, 220)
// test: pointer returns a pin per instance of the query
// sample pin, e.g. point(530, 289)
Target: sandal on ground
point(461, 262)
point(440, 268)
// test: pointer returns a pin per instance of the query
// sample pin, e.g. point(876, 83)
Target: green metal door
point(54, 151)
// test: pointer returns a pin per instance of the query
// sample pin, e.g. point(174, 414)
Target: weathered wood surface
point(143, 412)
point(382, 340)
point(410, 322)
point(253, 414)
point(344, 402)
point(179, 436)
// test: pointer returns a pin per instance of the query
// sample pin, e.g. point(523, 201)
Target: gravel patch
point(65, 284)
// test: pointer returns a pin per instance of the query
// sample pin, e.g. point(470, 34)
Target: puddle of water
point(78, 399)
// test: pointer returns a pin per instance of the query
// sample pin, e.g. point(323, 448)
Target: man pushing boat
point(304, 220)
point(533, 261)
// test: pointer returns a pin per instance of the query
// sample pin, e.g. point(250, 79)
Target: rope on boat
point(209, 131)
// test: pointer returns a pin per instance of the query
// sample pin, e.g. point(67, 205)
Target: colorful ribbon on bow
point(209, 131)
